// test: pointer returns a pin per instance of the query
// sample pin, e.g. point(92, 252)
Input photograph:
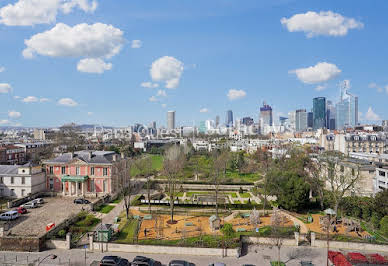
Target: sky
point(126, 61)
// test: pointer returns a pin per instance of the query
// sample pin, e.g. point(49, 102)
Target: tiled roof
point(9, 169)
point(97, 157)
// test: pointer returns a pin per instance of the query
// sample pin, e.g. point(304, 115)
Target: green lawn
point(208, 241)
point(245, 195)
point(118, 200)
point(191, 193)
point(128, 231)
point(233, 194)
point(179, 194)
point(105, 208)
point(157, 164)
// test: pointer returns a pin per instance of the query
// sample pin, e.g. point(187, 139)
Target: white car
point(38, 201)
point(8, 216)
point(30, 205)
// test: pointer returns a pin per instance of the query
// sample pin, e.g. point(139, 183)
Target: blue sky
point(199, 49)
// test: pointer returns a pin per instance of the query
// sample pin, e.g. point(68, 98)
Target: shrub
point(61, 233)
point(375, 220)
point(228, 230)
point(384, 226)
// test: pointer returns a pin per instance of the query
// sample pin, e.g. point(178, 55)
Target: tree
point(264, 161)
point(174, 161)
point(219, 172)
point(313, 177)
point(122, 169)
point(144, 167)
point(277, 223)
point(340, 181)
point(384, 226)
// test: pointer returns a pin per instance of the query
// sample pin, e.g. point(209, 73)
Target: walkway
point(302, 226)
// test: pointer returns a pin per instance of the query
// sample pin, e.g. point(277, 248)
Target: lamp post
point(51, 256)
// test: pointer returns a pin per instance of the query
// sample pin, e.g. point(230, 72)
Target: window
point(92, 188)
point(63, 171)
point(51, 170)
point(77, 170)
point(23, 180)
point(12, 192)
point(1, 180)
point(104, 186)
point(51, 183)
point(23, 192)
point(105, 171)
point(382, 173)
point(91, 170)
point(12, 180)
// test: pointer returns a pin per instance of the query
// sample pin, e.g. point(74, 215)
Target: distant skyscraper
point(229, 118)
point(154, 124)
point(266, 114)
point(282, 120)
point(171, 120)
point(247, 121)
point(202, 127)
point(217, 120)
point(300, 120)
point(291, 120)
point(330, 115)
point(310, 119)
point(319, 112)
point(346, 109)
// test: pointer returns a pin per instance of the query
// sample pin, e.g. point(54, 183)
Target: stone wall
point(56, 244)
point(365, 247)
point(267, 241)
point(110, 247)
point(26, 244)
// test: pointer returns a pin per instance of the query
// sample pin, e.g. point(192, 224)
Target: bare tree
point(314, 179)
point(277, 223)
point(122, 169)
point(339, 176)
point(174, 161)
point(144, 167)
point(265, 162)
point(219, 167)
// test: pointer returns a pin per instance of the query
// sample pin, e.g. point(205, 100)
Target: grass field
point(157, 164)
point(245, 195)
point(105, 208)
point(128, 231)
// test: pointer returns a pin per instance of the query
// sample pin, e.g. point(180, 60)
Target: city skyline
point(145, 70)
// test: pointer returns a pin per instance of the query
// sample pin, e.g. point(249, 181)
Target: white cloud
point(93, 65)
point(325, 23)
point(4, 121)
point(14, 114)
point(167, 69)
point(2, 69)
point(90, 113)
point(136, 44)
point(43, 100)
point(321, 72)
point(16, 97)
point(5, 88)
point(161, 93)
point(67, 102)
point(372, 85)
point(236, 94)
point(386, 88)
point(153, 99)
point(371, 115)
point(92, 42)
point(31, 12)
point(149, 85)
point(30, 99)
point(164, 105)
point(320, 87)
point(203, 110)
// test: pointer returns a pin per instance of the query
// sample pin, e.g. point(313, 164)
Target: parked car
point(8, 216)
point(38, 201)
point(144, 261)
point(21, 210)
point(30, 205)
point(81, 201)
point(217, 264)
point(180, 263)
point(114, 261)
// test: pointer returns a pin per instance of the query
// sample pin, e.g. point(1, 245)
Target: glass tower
point(229, 118)
point(346, 110)
point(319, 113)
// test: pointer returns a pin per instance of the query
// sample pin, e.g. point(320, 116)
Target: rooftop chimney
point(90, 155)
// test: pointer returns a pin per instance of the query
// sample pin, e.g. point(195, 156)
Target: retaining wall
point(267, 241)
point(110, 247)
point(350, 246)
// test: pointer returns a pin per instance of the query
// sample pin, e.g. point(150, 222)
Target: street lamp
point(51, 256)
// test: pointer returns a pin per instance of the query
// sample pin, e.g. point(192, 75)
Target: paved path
point(302, 226)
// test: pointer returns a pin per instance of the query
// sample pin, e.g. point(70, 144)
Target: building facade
point(319, 113)
point(171, 120)
point(11, 154)
point(229, 118)
point(346, 110)
point(380, 181)
point(86, 173)
point(19, 181)
point(300, 120)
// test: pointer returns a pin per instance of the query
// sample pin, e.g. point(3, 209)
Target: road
point(257, 255)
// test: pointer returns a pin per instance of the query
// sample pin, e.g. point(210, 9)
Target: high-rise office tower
point(291, 120)
point(319, 112)
point(171, 120)
point(310, 119)
point(300, 120)
point(229, 118)
point(266, 114)
point(282, 120)
point(217, 120)
point(247, 121)
point(330, 115)
point(346, 110)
